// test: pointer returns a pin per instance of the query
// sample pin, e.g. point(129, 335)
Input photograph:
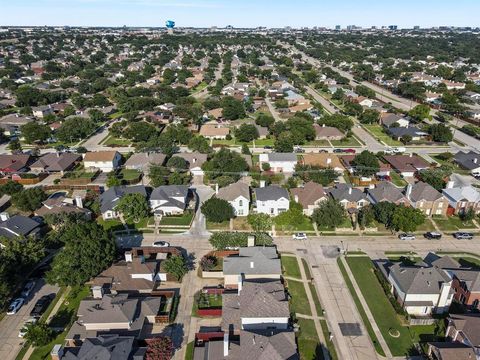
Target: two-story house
point(424, 197)
point(271, 200)
point(462, 199)
point(386, 191)
point(350, 198)
point(110, 198)
point(279, 162)
point(238, 195)
point(105, 161)
point(169, 199)
point(310, 196)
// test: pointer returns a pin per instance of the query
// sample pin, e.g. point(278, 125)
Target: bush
point(208, 263)
point(223, 240)
point(217, 210)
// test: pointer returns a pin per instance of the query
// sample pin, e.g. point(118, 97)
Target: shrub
point(223, 240)
point(208, 263)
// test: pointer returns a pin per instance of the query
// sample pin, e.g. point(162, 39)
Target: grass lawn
point(452, 223)
point(205, 301)
point(114, 141)
point(112, 224)
point(190, 350)
point(304, 225)
point(330, 345)
point(309, 345)
point(468, 261)
point(184, 220)
point(290, 266)
point(377, 131)
point(299, 302)
point(129, 174)
point(240, 223)
point(349, 141)
point(316, 300)
point(360, 309)
point(142, 224)
point(317, 143)
point(307, 269)
point(64, 318)
point(218, 226)
point(397, 180)
point(426, 226)
point(262, 142)
point(346, 224)
point(383, 312)
point(226, 142)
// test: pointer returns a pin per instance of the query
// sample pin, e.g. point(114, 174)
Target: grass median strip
point(290, 267)
point(360, 309)
point(309, 345)
point(299, 301)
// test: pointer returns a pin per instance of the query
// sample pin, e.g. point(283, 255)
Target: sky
point(240, 13)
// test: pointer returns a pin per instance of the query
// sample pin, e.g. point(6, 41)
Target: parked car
point(463, 235)
point(15, 305)
point(41, 305)
point(161, 244)
point(299, 236)
point(432, 235)
point(406, 236)
point(298, 149)
point(28, 288)
point(268, 147)
point(350, 151)
point(338, 150)
point(23, 330)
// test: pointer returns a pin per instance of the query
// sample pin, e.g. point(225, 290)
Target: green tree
point(284, 143)
point(158, 175)
point(10, 188)
point(232, 108)
point(366, 164)
point(225, 162)
point(290, 219)
point(29, 199)
point(362, 90)
point(440, 133)
point(14, 145)
point(74, 129)
point(177, 162)
point(420, 112)
point(39, 334)
point(35, 132)
point(200, 144)
point(265, 120)
point(176, 266)
point(246, 133)
point(217, 210)
point(433, 177)
point(259, 222)
point(133, 206)
point(383, 212)
point(369, 116)
point(87, 252)
point(407, 219)
point(329, 214)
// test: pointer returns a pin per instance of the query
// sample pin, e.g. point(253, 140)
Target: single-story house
point(279, 162)
point(407, 165)
point(56, 162)
point(310, 196)
point(142, 161)
point(327, 133)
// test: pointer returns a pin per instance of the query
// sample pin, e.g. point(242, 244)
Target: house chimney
point(128, 256)
point(409, 191)
point(194, 160)
point(216, 189)
point(262, 183)
point(240, 283)
point(296, 198)
point(251, 241)
point(349, 191)
point(79, 202)
point(4, 216)
point(475, 160)
point(450, 184)
point(97, 292)
point(57, 352)
point(225, 344)
point(411, 155)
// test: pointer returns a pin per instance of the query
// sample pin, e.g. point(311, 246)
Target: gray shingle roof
point(469, 161)
point(257, 260)
point(345, 192)
point(282, 157)
point(104, 347)
point(417, 279)
point(233, 191)
point(56, 161)
point(109, 199)
point(19, 225)
point(386, 191)
point(271, 193)
point(423, 191)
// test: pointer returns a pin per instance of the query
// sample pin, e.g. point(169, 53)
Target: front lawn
point(348, 141)
point(309, 345)
point(383, 312)
point(218, 226)
point(241, 223)
point(378, 132)
point(290, 266)
point(426, 226)
point(282, 224)
point(113, 141)
point(299, 302)
point(112, 224)
point(452, 223)
point(183, 220)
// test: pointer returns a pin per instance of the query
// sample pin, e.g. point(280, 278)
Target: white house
point(238, 195)
point(279, 162)
point(169, 199)
point(422, 291)
point(105, 161)
point(271, 200)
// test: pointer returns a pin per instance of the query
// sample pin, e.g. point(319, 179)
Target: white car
point(399, 150)
point(406, 237)
point(24, 328)
point(299, 236)
point(161, 244)
point(15, 306)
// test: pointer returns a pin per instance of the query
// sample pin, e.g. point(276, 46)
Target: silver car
point(406, 236)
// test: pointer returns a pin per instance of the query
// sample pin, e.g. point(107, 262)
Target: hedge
point(223, 240)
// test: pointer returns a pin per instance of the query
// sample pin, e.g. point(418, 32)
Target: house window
point(240, 203)
point(240, 212)
point(439, 212)
point(272, 211)
point(440, 205)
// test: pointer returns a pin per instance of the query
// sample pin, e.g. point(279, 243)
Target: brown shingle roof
point(100, 156)
point(324, 160)
point(309, 194)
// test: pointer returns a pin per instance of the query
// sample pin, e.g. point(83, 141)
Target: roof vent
point(251, 265)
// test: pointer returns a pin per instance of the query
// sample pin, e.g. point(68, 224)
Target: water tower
point(170, 25)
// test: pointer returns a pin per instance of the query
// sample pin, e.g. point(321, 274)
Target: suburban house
point(463, 339)
point(195, 161)
point(469, 161)
point(391, 120)
point(134, 274)
point(41, 111)
point(252, 262)
point(324, 161)
point(105, 161)
point(56, 162)
point(327, 133)
point(106, 346)
point(271, 200)
point(413, 132)
point(424, 197)
point(422, 290)
point(386, 191)
point(19, 226)
point(142, 161)
point(310, 196)
point(364, 101)
point(12, 123)
point(63, 205)
point(14, 163)
point(352, 199)
point(348, 162)
point(279, 162)
point(462, 199)
point(238, 195)
point(109, 199)
point(169, 200)
point(211, 131)
point(466, 283)
point(407, 165)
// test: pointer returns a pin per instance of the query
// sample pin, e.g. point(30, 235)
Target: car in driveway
point(406, 236)
point(28, 288)
point(299, 236)
point(460, 235)
point(161, 244)
point(432, 235)
point(41, 305)
point(15, 305)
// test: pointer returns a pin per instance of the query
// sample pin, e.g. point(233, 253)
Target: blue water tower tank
point(170, 24)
